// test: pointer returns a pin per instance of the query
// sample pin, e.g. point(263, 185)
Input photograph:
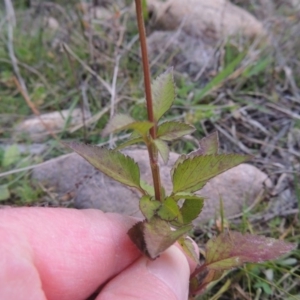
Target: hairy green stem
point(147, 82)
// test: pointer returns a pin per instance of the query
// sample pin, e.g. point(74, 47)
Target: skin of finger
point(72, 251)
point(165, 278)
point(18, 276)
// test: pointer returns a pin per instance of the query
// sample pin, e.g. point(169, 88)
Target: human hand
point(55, 253)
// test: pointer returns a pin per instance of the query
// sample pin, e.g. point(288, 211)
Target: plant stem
point(147, 82)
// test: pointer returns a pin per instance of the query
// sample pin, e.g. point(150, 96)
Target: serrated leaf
point(129, 143)
point(123, 122)
point(191, 209)
point(206, 277)
point(188, 247)
point(149, 207)
point(4, 193)
point(112, 163)
point(179, 160)
point(163, 93)
point(232, 249)
point(116, 123)
point(207, 145)
point(152, 238)
point(163, 149)
point(142, 127)
point(170, 131)
point(193, 173)
point(134, 135)
point(136, 234)
point(169, 210)
point(11, 155)
point(148, 188)
point(184, 195)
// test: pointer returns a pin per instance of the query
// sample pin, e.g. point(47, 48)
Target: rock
point(237, 187)
point(187, 54)
point(94, 11)
point(51, 23)
point(295, 4)
point(210, 21)
point(55, 121)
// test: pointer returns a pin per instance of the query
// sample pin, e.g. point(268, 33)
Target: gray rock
point(187, 54)
point(210, 21)
point(237, 187)
point(38, 128)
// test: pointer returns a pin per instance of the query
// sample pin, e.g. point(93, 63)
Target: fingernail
point(173, 270)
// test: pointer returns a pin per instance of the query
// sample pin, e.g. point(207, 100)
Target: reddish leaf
point(152, 238)
point(136, 234)
point(232, 249)
point(197, 284)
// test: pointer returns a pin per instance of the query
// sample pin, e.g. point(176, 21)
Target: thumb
point(166, 278)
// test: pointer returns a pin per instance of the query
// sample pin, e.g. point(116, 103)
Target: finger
point(165, 278)
point(72, 251)
point(19, 279)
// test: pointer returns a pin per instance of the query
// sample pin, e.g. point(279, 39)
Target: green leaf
point(179, 160)
point(185, 195)
point(152, 238)
point(117, 123)
point(169, 210)
point(193, 173)
point(142, 127)
point(149, 189)
point(145, 11)
point(4, 193)
point(188, 247)
point(134, 135)
point(191, 209)
point(149, 207)
point(123, 122)
point(206, 277)
point(232, 249)
point(112, 163)
point(163, 93)
point(170, 131)
point(207, 145)
point(11, 155)
point(129, 143)
point(163, 149)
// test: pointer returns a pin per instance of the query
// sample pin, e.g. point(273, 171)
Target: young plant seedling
point(169, 217)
